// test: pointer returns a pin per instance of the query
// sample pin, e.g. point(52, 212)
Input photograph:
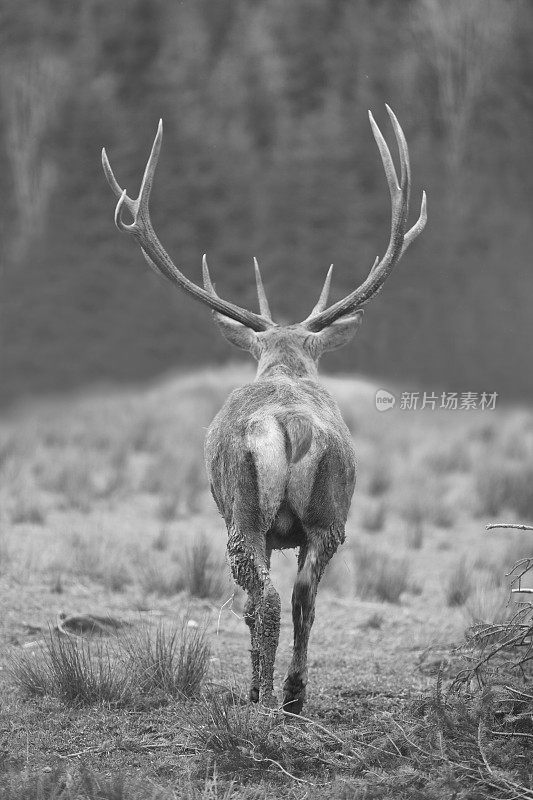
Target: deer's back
point(279, 455)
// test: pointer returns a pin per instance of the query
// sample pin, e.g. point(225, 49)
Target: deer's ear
point(339, 332)
point(236, 333)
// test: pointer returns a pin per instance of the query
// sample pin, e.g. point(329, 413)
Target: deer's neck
point(292, 371)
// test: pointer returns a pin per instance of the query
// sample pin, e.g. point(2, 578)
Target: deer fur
point(279, 457)
point(281, 466)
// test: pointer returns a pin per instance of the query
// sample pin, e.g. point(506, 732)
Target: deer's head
point(294, 348)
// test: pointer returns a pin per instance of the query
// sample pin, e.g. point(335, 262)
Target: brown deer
point(279, 457)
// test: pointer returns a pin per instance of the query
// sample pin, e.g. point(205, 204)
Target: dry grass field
point(123, 653)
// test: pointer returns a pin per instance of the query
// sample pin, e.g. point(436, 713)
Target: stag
point(279, 457)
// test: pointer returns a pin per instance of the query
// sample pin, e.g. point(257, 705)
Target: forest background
point(267, 152)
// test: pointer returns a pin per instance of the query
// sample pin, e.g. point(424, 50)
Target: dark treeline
point(267, 152)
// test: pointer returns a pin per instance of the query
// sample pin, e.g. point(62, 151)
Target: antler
point(158, 258)
point(399, 238)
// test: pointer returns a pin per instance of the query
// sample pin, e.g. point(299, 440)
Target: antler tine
point(418, 227)
point(123, 198)
point(386, 158)
point(405, 166)
point(374, 266)
point(153, 251)
point(324, 294)
point(264, 308)
point(208, 284)
point(149, 171)
point(399, 239)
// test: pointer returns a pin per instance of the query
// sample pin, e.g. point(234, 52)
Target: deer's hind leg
point(249, 557)
point(313, 557)
point(249, 618)
point(250, 569)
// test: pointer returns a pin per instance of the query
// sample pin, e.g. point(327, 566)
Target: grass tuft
point(380, 576)
point(203, 575)
point(27, 509)
point(502, 485)
point(174, 662)
point(78, 671)
point(460, 585)
point(373, 516)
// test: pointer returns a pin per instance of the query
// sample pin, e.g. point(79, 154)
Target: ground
point(105, 511)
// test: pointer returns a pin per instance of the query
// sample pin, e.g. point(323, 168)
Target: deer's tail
point(298, 432)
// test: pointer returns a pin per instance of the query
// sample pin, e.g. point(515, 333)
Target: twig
point(83, 752)
point(480, 747)
point(512, 734)
point(316, 724)
point(518, 692)
point(514, 525)
point(285, 772)
point(229, 600)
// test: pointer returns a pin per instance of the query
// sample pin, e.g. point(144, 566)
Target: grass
point(460, 585)
point(379, 480)
point(161, 541)
point(118, 672)
point(164, 581)
point(380, 576)
point(151, 707)
point(373, 516)
point(203, 574)
point(79, 672)
point(60, 784)
point(414, 537)
point(174, 662)
point(506, 485)
point(27, 509)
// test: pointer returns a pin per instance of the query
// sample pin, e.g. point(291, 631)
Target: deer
point(280, 459)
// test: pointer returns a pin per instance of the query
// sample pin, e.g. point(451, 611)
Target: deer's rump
point(285, 468)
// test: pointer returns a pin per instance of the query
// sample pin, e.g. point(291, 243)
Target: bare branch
point(515, 525)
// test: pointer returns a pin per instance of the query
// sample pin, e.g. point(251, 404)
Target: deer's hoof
point(293, 694)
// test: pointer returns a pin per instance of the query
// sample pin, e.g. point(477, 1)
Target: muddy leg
point(312, 561)
point(262, 615)
point(267, 621)
point(249, 618)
